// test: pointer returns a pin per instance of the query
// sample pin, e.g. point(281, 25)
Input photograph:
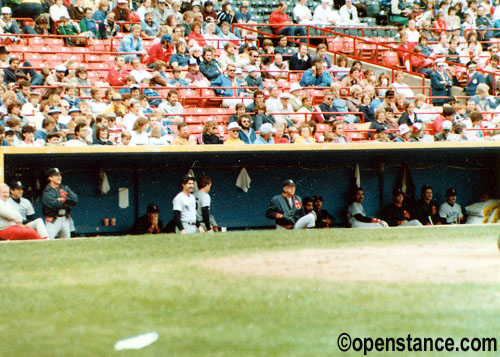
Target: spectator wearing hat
point(108, 28)
point(295, 96)
point(404, 134)
point(132, 43)
point(253, 80)
point(316, 76)
point(150, 223)
point(417, 132)
point(194, 76)
point(426, 209)
point(266, 132)
point(11, 221)
point(300, 61)
point(474, 78)
point(445, 132)
point(184, 206)
point(450, 211)
point(280, 23)
point(441, 83)
point(162, 11)
point(234, 131)
point(8, 24)
point(122, 13)
point(58, 78)
point(396, 214)
point(57, 200)
point(287, 211)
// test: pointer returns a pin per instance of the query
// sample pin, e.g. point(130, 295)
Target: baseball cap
point(74, 110)
point(238, 71)
point(122, 1)
point(397, 191)
point(233, 125)
point(447, 125)
point(60, 68)
point(53, 171)
point(135, 86)
point(451, 192)
point(317, 198)
point(266, 129)
point(403, 129)
point(192, 62)
point(285, 95)
point(116, 96)
point(295, 86)
point(6, 10)
point(389, 94)
point(152, 208)
point(16, 185)
point(482, 27)
point(166, 38)
point(417, 127)
point(245, 4)
point(195, 3)
point(252, 68)
point(54, 110)
point(288, 182)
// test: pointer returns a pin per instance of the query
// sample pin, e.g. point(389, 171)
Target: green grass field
point(78, 297)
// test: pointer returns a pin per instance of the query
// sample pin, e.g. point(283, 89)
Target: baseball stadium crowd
point(177, 57)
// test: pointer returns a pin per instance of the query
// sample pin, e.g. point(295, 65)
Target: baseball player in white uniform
point(203, 202)
point(26, 210)
point(356, 213)
point(185, 208)
point(450, 211)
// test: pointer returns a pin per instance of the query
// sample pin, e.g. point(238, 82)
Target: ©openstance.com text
point(416, 344)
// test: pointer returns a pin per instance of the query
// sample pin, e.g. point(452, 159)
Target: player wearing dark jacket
point(396, 214)
point(426, 209)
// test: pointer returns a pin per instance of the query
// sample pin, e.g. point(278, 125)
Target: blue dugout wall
point(152, 175)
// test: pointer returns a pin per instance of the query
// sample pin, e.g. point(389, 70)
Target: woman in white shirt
point(301, 13)
point(139, 132)
point(58, 10)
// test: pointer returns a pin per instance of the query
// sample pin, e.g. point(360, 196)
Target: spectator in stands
point(108, 28)
point(324, 15)
point(408, 117)
point(149, 27)
point(280, 23)
point(58, 10)
point(233, 139)
point(453, 22)
point(58, 78)
point(161, 13)
point(441, 83)
point(232, 88)
point(138, 72)
point(440, 23)
point(283, 113)
point(306, 136)
point(400, 85)
point(349, 13)
point(83, 136)
point(339, 136)
point(8, 24)
point(447, 114)
point(483, 18)
point(366, 108)
point(88, 25)
point(139, 132)
point(97, 106)
point(196, 35)
point(209, 15)
point(102, 9)
point(210, 67)
point(227, 35)
point(283, 48)
point(300, 61)
point(226, 14)
point(321, 54)
point(266, 132)
point(253, 80)
point(354, 100)
point(229, 56)
point(122, 13)
point(296, 94)
point(273, 101)
point(476, 119)
point(132, 44)
point(208, 135)
point(81, 80)
point(445, 133)
point(258, 97)
point(77, 10)
point(262, 116)
point(177, 81)
point(316, 76)
point(246, 133)
point(474, 78)
point(423, 44)
point(143, 9)
point(352, 79)
point(279, 68)
point(102, 136)
point(68, 29)
point(484, 102)
point(194, 75)
point(413, 33)
point(243, 16)
point(403, 50)
point(117, 76)
point(173, 108)
point(301, 13)
point(380, 123)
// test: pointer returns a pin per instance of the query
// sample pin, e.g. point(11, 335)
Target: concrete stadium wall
point(152, 175)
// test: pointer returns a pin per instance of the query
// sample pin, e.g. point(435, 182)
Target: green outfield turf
point(78, 297)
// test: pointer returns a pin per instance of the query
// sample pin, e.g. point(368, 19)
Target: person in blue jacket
point(473, 79)
point(441, 83)
point(132, 43)
point(316, 76)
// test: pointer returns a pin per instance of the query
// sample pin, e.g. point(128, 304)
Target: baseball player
point(57, 200)
point(425, 209)
point(396, 214)
point(356, 215)
point(185, 208)
point(25, 209)
point(11, 221)
point(450, 211)
point(286, 209)
point(203, 202)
